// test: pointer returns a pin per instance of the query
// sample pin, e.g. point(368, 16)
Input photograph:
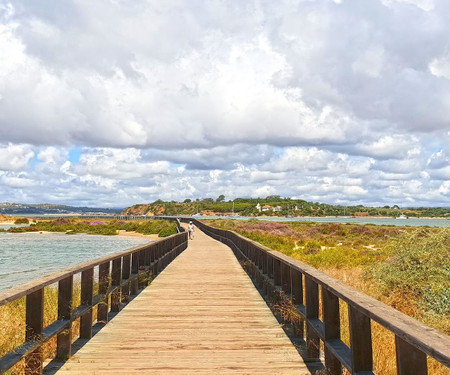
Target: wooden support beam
point(410, 360)
point(332, 330)
point(103, 287)
point(360, 341)
point(115, 281)
point(87, 289)
point(34, 321)
point(65, 301)
point(312, 312)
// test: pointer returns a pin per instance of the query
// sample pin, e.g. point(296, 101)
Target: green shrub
point(168, 231)
point(418, 267)
point(22, 220)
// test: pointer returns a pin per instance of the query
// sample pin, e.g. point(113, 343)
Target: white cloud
point(338, 101)
point(14, 157)
point(17, 182)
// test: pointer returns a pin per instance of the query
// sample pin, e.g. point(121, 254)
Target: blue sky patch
point(74, 155)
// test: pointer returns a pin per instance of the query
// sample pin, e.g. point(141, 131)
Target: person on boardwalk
point(191, 230)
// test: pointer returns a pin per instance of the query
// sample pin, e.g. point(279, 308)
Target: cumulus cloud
point(14, 157)
point(337, 101)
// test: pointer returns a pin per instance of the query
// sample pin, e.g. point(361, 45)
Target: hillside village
point(274, 206)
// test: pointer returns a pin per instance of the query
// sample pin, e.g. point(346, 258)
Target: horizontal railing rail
point(120, 276)
point(279, 276)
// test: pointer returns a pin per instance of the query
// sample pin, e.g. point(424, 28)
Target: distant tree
point(208, 200)
point(386, 207)
point(221, 198)
point(187, 201)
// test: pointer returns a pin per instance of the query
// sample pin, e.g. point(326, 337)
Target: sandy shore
point(135, 234)
point(119, 233)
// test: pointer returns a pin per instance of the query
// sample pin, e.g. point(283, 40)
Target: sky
point(109, 103)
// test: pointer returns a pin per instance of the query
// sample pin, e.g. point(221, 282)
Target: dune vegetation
point(111, 227)
point(407, 268)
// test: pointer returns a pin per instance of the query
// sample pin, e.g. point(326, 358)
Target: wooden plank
point(201, 315)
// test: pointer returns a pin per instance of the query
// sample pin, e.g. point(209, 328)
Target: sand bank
point(135, 234)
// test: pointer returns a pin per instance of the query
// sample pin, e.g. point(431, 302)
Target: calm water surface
point(27, 256)
point(351, 220)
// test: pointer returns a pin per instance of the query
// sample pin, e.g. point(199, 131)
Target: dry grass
point(12, 325)
point(407, 268)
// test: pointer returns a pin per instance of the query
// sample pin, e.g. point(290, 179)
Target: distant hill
point(42, 209)
point(276, 206)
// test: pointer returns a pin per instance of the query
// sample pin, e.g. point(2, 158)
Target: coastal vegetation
point(111, 227)
point(410, 263)
point(21, 220)
point(405, 267)
point(275, 205)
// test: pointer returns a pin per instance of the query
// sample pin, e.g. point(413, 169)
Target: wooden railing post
point(270, 262)
point(148, 262)
point(360, 340)
point(126, 268)
point(115, 281)
point(134, 273)
point(34, 327)
point(141, 278)
point(297, 298)
point(312, 312)
point(87, 289)
point(332, 330)
point(277, 272)
point(410, 360)
point(103, 286)
point(65, 300)
point(286, 278)
point(265, 265)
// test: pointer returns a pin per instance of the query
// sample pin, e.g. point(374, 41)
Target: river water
point(27, 256)
point(351, 220)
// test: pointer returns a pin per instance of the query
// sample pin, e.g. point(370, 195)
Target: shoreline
point(121, 233)
point(136, 234)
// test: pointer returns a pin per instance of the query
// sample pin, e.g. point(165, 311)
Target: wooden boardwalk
point(201, 315)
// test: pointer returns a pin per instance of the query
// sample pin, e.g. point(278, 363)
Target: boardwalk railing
point(120, 276)
point(278, 275)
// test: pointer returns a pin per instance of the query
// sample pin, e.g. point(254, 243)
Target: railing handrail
point(426, 339)
point(22, 290)
point(120, 275)
point(430, 340)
